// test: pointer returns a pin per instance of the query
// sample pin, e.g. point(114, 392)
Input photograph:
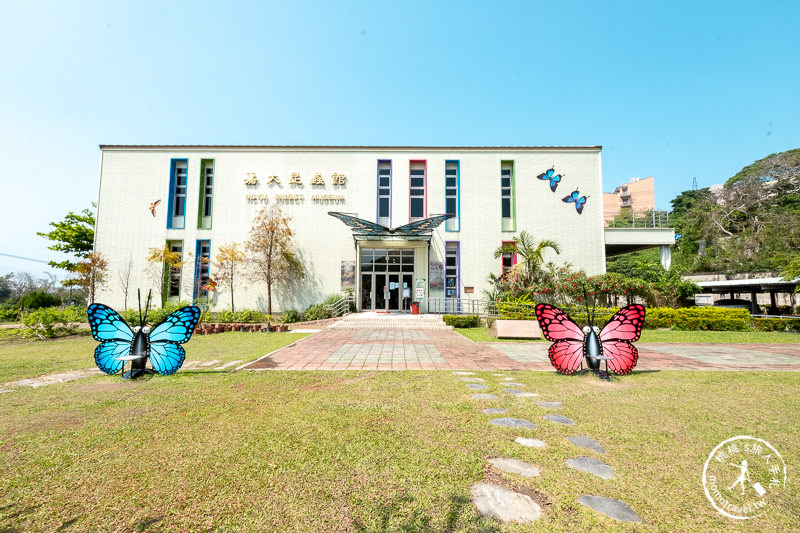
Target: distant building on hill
point(636, 195)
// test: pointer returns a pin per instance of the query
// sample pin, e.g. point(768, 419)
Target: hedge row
point(698, 318)
point(462, 321)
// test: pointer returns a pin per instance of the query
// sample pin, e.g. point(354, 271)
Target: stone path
point(494, 500)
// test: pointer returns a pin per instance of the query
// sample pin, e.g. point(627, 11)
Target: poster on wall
point(437, 274)
point(348, 274)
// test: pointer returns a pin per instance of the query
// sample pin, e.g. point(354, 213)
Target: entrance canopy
point(364, 230)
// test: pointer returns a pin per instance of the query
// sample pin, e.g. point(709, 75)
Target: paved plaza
point(402, 343)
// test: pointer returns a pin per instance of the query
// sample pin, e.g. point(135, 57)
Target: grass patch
point(30, 359)
point(666, 335)
point(374, 451)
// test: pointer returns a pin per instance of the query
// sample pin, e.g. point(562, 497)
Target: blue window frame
point(178, 182)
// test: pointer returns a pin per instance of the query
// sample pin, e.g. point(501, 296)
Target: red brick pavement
point(456, 352)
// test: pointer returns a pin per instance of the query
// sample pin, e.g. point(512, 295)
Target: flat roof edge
point(332, 147)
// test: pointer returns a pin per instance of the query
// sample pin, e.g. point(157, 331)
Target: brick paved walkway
point(340, 349)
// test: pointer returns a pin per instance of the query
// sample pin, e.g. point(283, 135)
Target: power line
point(25, 258)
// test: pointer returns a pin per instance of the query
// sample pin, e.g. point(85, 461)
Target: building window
point(385, 193)
point(507, 195)
point(451, 270)
point(177, 193)
point(174, 274)
point(202, 264)
point(206, 193)
point(452, 185)
point(417, 187)
point(509, 258)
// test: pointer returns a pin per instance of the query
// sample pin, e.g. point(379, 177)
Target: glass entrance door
point(386, 278)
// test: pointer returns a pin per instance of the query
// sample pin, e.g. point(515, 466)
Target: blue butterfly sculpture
point(575, 197)
point(119, 343)
point(551, 175)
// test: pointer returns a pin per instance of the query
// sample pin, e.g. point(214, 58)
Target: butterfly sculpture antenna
point(139, 295)
point(147, 306)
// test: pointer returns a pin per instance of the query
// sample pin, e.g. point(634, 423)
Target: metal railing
point(341, 306)
point(633, 219)
point(495, 309)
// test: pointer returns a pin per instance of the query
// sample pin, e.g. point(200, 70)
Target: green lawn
point(364, 451)
point(664, 335)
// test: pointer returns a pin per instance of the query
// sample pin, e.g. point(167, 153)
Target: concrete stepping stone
point(214, 362)
point(560, 419)
point(610, 507)
point(227, 365)
point(508, 379)
point(491, 411)
point(503, 504)
point(500, 376)
point(549, 405)
point(512, 384)
point(481, 380)
point(514, 466)
point(513, 423)
point(588, 443)
point(484, 397)
point(592, 466)
point(2, 391)
point(460, 373)
point(476, 386)
point(531, 443)
point(521, 394)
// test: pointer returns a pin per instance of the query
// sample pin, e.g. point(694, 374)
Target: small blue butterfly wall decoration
point(551, 176)
point(576, 198)
point(161, 345)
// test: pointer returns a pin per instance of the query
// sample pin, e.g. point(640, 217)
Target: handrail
point(341, 306)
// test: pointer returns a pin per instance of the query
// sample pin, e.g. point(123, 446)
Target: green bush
point(154, 316)
point(51, 322)
point(777, 324)
point(290, 316)
point(38, 300)
point(462, 321)
point(316, 312)
point(698, 318)
point(9, 314)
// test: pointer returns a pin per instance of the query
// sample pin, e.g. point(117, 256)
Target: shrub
point(51, 322)
point(316, 312)
point(698, 318)
point(462, 321)
point(290, 316)
point(9, 314)
point(154, 316)
point(777, 324)
point(38, 300)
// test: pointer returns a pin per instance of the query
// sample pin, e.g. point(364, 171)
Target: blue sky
point(669, 89)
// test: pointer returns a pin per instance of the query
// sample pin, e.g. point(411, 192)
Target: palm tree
point(531, 252)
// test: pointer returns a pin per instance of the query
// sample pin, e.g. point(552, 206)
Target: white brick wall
point(132, 177)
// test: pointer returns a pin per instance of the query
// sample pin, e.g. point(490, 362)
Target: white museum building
point(392, 224)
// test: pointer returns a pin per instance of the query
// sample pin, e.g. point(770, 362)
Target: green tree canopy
point(73, 235)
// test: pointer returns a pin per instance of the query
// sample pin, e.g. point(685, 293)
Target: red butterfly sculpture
point(612, 344)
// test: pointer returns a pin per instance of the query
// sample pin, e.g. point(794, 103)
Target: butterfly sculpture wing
point(166, 354)
point(551, 176)
point(115, 337)
point(554, 181)
point(566, 352)
point(617, 335)
point(579, 203)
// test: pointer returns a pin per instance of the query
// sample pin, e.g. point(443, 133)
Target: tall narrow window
point(384, 193)
point(451, 199)
point(174, 275)
point(417, 191)
point(507, 195)
point(177, 194)
point(451, 270)
point(509, 259)
point(202, 263)
point(206, 193)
